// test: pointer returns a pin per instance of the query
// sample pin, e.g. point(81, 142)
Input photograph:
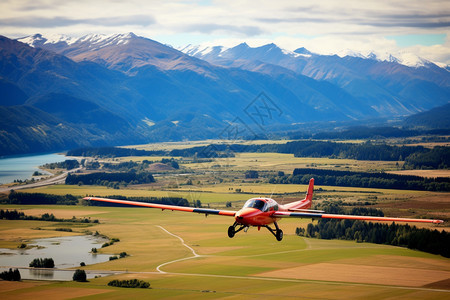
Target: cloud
point(41, 22)
point(349, 24)
point(223, 29)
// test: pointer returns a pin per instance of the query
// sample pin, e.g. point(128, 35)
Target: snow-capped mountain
point(99, 80)
point(123, 52)
point(94, 40)
point(38, 40)
point(404, 58)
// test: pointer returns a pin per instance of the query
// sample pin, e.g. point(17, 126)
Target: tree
point(11, 275)
point(251, 174)
point(42, 263)
point(79, 275)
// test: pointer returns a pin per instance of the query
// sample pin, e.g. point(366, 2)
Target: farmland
point(253, 264)
point(207, 264)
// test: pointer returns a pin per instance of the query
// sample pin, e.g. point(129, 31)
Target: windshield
point(255, 203)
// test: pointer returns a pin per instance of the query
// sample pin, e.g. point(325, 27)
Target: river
point(23, 167)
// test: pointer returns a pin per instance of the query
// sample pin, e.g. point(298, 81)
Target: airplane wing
point(168, 207)
point(285, 214)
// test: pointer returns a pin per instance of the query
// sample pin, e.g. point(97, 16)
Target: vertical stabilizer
point(309, 193)
point(305, 203)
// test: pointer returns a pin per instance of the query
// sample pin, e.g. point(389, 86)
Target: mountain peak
point(38, 40)
point(302, 50)
point(242, 45)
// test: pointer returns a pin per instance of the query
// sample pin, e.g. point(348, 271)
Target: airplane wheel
point(231, 231)
point(279, 235)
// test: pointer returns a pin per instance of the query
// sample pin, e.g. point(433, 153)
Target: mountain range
point(61, 92)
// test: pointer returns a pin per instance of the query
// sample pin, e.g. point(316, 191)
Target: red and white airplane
point(262, 212)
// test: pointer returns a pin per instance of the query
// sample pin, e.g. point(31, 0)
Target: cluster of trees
point(79, 275)
point(107, 179)
point(364, 132)
point(131, 166)
point(108, 152)
point(210, 151)
point(40, 198)
point(68, 164)
point(15, 215)
point(431, 241)
point(121, 255)
point(171, 162)
point(437, 158)
point(132, 283)
point(42, 263)
point(365, 151)
point(11, 275)
point(158, 200)
point(111, 242)
point(363, 179)
point(251, 174)
point(11, 215)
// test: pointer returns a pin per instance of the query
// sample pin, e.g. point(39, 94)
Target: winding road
point(58, 179)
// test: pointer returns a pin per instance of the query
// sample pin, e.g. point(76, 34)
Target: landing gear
point(231, 232)
point(232, 229)
point(277, 233)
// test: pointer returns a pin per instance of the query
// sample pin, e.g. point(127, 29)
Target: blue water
point(23, 167)
point(66, 252)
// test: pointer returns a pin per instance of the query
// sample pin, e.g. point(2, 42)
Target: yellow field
point(186, 255)
point(252, 265)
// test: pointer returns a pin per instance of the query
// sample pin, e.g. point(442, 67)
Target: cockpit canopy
point(256, 203)
point(263, 204)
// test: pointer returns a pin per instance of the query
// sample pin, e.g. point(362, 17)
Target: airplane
point(262, 212)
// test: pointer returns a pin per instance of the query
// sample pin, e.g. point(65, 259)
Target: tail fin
point(309, 193)
point(304, 204)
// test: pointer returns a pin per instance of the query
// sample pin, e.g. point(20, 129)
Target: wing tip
point(438, 221)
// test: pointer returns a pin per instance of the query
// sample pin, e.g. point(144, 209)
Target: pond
point(66, 252)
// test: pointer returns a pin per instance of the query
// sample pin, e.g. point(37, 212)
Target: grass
point(240, 263)
point(252, 265)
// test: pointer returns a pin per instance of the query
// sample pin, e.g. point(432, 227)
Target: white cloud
point(323, 26)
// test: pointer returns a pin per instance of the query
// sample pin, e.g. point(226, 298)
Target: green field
point(251, 265)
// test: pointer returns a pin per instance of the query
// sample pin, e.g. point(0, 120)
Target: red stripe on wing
point(367, 218)
point(163, 206)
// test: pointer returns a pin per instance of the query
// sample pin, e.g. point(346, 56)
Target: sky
point(419, 27)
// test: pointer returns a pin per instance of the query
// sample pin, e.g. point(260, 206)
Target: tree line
point(363, 179)
point(364, 132)
point(129, 166)
point(103, 178)
point(68, 164)
point(157, 200)
point(131, 283)
point(40, 198)
point(109, 152)
point(16, 215)
point(431, 241)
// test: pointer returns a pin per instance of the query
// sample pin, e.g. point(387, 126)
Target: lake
point(66, 252)
point(23, 167)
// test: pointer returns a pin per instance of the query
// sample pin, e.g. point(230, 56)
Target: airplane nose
point(246, 213)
